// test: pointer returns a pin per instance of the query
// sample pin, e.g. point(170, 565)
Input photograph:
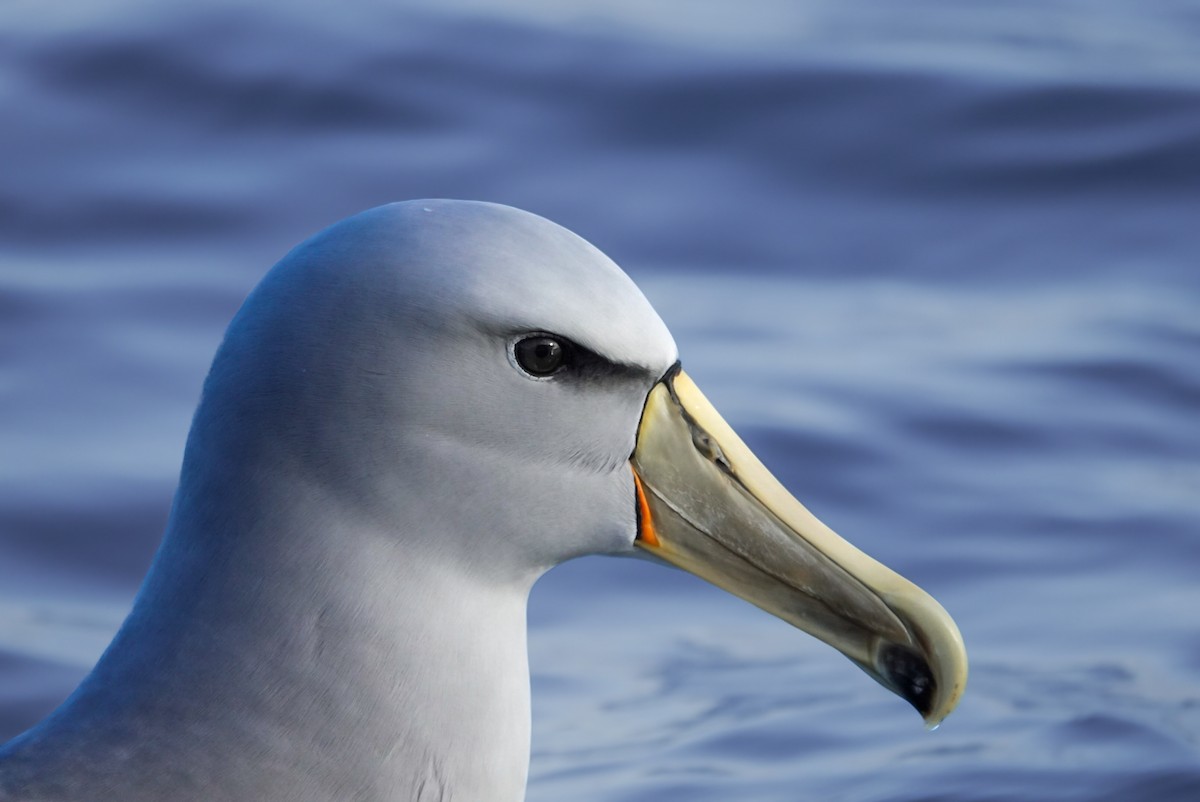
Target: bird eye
point(540, 355)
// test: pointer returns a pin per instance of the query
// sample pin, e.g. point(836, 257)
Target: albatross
point(414, 415)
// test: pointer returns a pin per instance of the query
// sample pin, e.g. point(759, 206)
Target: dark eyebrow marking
point(590, 365)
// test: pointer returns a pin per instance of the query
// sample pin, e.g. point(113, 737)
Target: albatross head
point(512, 377)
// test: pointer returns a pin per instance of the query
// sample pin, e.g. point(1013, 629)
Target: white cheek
point(619, 529)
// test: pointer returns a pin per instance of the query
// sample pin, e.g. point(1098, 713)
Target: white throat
point(332, 663)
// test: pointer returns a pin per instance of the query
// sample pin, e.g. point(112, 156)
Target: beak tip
point(909, 675)
point(930, 670)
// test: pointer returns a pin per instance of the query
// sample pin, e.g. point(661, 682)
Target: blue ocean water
point(939, 264)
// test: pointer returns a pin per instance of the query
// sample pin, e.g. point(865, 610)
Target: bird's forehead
point(506, 270)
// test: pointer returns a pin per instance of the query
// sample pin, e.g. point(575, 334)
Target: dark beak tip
point(908, 674)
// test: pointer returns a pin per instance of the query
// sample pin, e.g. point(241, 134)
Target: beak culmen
point(707, 505)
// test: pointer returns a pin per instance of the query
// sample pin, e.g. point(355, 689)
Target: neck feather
point(301, 658)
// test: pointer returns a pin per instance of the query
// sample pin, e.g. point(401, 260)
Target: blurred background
point(939, 262)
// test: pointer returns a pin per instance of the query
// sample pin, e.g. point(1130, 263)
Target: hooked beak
point(707, 505)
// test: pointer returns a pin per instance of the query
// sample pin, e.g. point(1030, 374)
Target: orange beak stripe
point(646, 533)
